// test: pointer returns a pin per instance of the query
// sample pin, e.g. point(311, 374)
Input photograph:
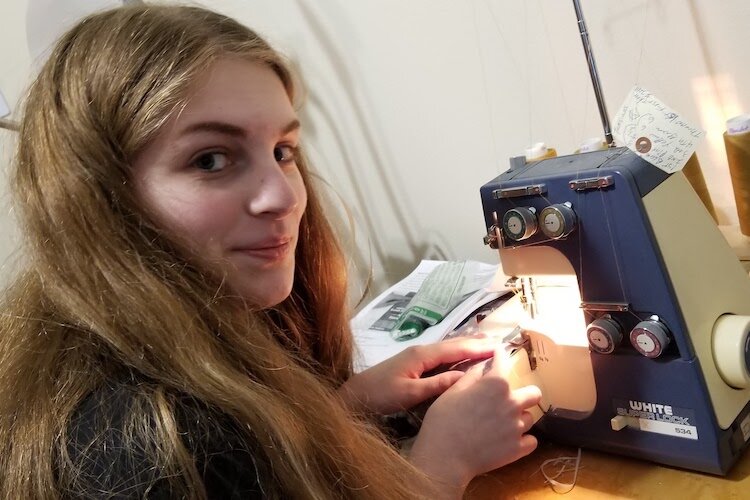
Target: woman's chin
point(265, 297)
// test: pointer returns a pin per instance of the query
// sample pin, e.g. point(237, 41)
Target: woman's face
point(222, 174)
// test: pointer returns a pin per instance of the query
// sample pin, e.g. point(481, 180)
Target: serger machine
point(637, 312)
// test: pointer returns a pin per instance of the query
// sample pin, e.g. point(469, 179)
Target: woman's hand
point(477, 425)
point(399, 383)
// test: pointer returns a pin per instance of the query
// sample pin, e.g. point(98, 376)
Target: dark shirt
point(107, 464)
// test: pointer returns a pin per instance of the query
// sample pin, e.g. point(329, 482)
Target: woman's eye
point(211, 162)
point(284, 153)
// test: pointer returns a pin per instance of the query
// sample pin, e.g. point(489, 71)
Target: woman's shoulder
point(117, 442)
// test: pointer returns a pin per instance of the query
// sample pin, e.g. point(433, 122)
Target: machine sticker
point(659, 418)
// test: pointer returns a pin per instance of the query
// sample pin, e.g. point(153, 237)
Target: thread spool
point(737, 144)
point(539, 151)
point(592, 144)
point(694, 174)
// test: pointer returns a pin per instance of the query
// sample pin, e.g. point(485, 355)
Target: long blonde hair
point(106, 291)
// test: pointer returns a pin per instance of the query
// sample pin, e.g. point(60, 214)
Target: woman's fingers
point(446, 353)
point(479, 335)
point(525, 422)
point(528, 444)
point(472, 375)
point(528, 396)
point(436, 384)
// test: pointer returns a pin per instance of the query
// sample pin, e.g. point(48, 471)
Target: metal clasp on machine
point(515, 192)
point(591, 183)
point(605, 306)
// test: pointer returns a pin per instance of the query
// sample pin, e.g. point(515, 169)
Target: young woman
point(180, 329)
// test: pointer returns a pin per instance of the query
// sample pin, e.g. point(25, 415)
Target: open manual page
point(372, 325)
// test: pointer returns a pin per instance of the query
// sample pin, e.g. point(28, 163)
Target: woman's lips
point(268, 252)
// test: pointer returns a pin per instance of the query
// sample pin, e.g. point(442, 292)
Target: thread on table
point(554, 468)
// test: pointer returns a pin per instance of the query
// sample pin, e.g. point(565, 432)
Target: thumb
point(438, 384)
point(473, 374)
point(499, 364)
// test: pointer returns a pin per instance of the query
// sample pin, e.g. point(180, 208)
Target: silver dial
point(558, 220)
point(520, 223)
point(604, 334)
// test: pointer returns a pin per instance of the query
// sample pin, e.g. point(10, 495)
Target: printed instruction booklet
point(372, 325)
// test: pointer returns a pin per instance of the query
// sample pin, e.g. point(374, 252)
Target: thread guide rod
point(594, 74)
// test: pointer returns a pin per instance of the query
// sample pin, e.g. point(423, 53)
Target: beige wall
point(413, 105)
point(14, 76)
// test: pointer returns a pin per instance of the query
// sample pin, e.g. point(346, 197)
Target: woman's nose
point(276, 192)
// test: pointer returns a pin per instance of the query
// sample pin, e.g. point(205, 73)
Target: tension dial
point(558, 220)
point(604, 334)
point(520, 223)
point(650, 337)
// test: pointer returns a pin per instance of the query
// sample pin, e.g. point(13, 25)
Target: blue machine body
point(616, 259)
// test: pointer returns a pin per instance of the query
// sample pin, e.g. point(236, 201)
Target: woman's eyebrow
point(220, 127)
point(293, 125)
point(232, 130)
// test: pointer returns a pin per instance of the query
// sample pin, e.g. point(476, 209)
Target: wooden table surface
point(606, 476)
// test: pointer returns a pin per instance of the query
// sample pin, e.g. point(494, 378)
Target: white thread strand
point(565, 464)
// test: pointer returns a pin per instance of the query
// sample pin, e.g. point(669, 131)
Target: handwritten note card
point(655, 132)
point(4, 109)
